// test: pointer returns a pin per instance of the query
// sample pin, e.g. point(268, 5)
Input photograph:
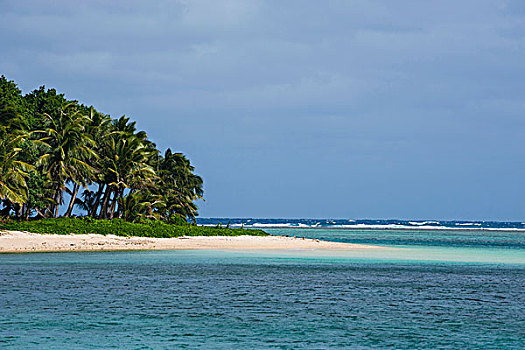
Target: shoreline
point(379, 228)
point(27, 242)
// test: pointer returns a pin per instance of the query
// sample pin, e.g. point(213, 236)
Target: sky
point(302, 109)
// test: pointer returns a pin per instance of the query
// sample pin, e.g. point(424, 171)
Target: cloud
point(355, 83)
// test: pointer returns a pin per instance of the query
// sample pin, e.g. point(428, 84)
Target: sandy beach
point(24, 242)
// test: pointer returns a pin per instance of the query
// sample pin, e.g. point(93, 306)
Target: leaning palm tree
point(13, 186)
point(13, 170)
point(100, 128)
point(180, 186)
point(126, 160)
point(97, 127)
point(129, 168)
point(66, 147)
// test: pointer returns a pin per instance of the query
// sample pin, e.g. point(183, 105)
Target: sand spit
point(25, 242)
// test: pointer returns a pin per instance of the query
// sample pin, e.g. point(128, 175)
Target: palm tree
point(13, 169)
point(180, 187)
point(75, 146)
point(126, 164)
point(13, 187)
point(66, 147)
point(98, 127)
point(140, 205)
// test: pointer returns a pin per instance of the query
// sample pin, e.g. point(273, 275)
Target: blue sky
point(343, 109)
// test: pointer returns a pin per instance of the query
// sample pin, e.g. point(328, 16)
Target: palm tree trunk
point(72, 201)
point(23, 211)
point(57, 203)
point(7, 208)
point(97, 199)
point(113, 204)
point(119, 209)
point(104, 208)
point(18, 210)
point(39, 214)
point(27, 211)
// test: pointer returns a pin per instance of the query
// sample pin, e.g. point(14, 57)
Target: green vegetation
point(119, 227)
point(57, 155)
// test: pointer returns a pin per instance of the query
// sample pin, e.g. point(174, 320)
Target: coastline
point(27, 242)
point(378, 227)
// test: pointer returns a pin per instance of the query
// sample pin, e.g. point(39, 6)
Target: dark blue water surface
point(367, 223)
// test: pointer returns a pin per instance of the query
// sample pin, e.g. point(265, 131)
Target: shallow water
point(406, 296)
point(422, 246)
point(439, 238)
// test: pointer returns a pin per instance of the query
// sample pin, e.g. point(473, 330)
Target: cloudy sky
point(341, 109)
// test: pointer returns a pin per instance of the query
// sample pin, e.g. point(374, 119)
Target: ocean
point(441, 288)
point(366, 224)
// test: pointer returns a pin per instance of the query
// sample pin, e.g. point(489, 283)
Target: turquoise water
point(422, 246)
point(412, 237)
point(467, 294)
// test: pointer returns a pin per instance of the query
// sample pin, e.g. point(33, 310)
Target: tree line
point(51, 146)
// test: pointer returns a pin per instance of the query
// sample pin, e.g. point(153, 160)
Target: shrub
point(120, 227)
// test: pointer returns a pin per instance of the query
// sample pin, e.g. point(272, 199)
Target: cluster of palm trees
point(106, 167)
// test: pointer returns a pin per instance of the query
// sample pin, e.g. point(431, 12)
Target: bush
point(120, 227)
point(177, 220)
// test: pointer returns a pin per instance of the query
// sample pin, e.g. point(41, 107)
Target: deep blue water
point(426, 290)
point(366, 224)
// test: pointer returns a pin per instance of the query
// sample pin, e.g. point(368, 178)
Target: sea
point(431, 285)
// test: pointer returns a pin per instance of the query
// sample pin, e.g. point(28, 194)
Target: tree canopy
point(52, 148)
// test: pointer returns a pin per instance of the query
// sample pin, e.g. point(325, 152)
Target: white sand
point(23, 242)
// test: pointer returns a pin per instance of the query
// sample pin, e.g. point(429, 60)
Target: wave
point(418, 223)
point(363, 224)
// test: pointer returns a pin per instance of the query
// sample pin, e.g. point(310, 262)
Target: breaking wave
point(363, 224)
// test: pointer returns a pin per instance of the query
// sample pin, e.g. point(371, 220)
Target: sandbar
point(26, 242)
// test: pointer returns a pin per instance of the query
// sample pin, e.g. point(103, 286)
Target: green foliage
point(51, 146)
point(40, 102)
point(180, 187)
point(66, 151)
point(13, 186)
point(10, 94)
point(177, 220)
point(11, 101)
point(118, 227)
point(39, 193)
